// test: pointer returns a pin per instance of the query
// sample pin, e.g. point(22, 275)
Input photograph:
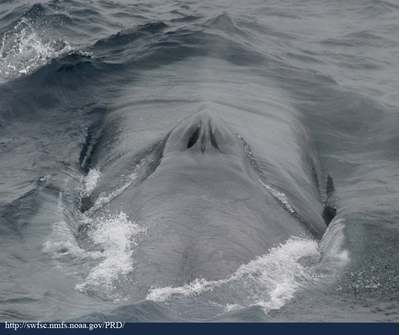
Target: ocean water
point(71, 70)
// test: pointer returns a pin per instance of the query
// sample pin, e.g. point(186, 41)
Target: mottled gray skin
point(204, 209)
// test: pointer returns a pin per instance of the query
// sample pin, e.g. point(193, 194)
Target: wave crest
point(24, 48)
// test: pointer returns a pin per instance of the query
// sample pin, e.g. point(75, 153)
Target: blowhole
point(193, 139)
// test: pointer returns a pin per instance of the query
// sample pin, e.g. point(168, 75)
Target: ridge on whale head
point(204, 209)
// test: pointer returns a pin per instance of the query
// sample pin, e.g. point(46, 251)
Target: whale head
point(204, 208)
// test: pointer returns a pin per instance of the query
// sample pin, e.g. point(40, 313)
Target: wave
point(29, 42)
point(26, 47)
point(269, 281)
point(116, 237)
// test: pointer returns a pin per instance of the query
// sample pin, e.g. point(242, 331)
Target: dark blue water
point(76, 74)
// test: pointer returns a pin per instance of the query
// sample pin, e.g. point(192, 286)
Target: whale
point(212, 195)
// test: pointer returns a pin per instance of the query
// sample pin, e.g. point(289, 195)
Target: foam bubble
point(268, 281)
point(280, 196)
point(117, 237)
point(233, 307)
point(90, 181)
point(104, 199)
point(62, 242)
point(23, 49)
point(332, 244)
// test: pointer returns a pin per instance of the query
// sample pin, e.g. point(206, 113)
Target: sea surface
point(70, 70)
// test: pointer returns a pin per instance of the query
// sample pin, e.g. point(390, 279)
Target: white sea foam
point(104, 199)
point(280, 196)
point(333, 244)
point(23, 49)
point(112, 239)
point(117, 237)
point(62, 242)
point(90, 181)
point(269, 281)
